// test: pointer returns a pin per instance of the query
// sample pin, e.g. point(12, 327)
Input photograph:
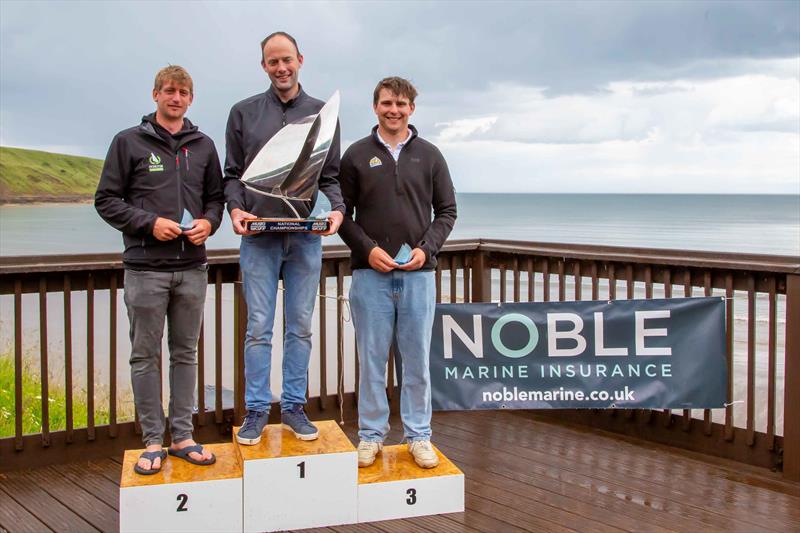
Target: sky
point(616, 97)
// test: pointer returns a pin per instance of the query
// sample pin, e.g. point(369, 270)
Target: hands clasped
point(166, 230)
point(383, 262)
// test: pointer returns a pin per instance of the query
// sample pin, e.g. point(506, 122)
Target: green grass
point(28, 175)
point(32, 402)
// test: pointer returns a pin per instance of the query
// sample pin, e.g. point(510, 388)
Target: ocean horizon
point(761, 224)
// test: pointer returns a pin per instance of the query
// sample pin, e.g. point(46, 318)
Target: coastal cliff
point(32, 176)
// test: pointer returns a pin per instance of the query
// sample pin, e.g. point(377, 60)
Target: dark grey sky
point(74, 73)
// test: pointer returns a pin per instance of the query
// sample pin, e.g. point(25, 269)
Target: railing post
point(240, 330)
point(481, 277)
point(791, 387)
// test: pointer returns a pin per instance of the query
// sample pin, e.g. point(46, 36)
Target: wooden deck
point(522, 474)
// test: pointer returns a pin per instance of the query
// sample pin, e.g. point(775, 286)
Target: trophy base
point(285, 225)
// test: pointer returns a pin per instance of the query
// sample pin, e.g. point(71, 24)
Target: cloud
point(464, 128)
point(653, 165)
point(734, 134)
point(626, 110)
point(561, 87)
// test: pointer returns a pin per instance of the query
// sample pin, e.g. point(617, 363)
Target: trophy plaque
point(288, 167)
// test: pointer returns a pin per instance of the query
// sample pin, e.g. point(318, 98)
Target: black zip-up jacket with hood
point(149, 173)
point(390, 203)
point(251, 123)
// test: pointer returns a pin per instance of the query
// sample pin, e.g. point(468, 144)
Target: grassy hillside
point(34, 176)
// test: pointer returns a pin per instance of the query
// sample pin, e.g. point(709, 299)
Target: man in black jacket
point(392, 180)
point(267, 257)
point(161, 186)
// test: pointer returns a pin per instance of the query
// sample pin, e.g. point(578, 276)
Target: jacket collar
point(273, 96)
point(377, 140)
point(152, 128)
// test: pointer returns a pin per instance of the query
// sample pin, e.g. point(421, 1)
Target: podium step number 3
point(395, 487)
point(284, 483)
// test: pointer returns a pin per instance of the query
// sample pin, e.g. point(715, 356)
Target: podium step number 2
point(183, 497)
point(284, 483)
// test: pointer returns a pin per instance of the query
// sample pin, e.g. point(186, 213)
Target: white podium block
point(183, 497)
point(294, 484)
point(395, 487)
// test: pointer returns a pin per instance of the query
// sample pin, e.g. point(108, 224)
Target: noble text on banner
point(657, 353)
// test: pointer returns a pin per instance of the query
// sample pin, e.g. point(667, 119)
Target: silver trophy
point(288, 167)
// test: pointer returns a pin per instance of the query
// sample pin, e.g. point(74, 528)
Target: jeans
point(150, 296)
point(264, 258)
point(397, 306)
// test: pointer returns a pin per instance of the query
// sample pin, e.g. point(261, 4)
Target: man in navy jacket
point(392, 182)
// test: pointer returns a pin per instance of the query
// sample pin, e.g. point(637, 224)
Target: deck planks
point(49, 511)
point(638, 474)
point(522, 474)
point(14, 517)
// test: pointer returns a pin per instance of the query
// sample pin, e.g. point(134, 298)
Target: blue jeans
point(264, 258)
point(395, 306)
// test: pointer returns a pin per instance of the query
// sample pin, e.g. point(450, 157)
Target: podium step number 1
point(284, 483)
point(293, 484)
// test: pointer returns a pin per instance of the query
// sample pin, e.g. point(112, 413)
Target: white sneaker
point(423, 453)
point(367, 450)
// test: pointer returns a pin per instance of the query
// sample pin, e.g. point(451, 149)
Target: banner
point(658, 353)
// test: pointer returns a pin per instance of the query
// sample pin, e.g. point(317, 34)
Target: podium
point(285, 483)
point(183, 497)
point(294, 484)
point(395, 487)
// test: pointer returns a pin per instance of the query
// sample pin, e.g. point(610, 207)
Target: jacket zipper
point(397, 187)
point(180, 197)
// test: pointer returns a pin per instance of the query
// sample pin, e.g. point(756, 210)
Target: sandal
point(150, 456)
point(183, 453)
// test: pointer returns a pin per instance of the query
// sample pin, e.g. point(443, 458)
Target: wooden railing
point(760, 424)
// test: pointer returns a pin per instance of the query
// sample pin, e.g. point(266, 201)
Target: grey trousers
point(150, 296)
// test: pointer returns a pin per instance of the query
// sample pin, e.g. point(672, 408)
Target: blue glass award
point(187, 220)
point(403, 255)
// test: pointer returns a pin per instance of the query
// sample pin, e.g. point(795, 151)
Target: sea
point(756, 224)
point(761, 224)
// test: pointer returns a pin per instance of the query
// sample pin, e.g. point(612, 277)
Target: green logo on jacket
point(155, 163)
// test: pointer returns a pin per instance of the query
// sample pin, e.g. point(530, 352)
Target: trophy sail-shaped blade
point(289, 165)
point(301, 181)
point(269, 168)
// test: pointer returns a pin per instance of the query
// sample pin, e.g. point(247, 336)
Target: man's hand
point(165, 229)
point(381, 261)
point(201, 229)
point(335, 219)
point(418, 258)
point(238, 218)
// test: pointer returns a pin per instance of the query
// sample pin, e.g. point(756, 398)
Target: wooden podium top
point(395, 463)
point(176, 470)
point(278, 442)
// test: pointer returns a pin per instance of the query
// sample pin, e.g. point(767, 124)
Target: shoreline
point(33, 201)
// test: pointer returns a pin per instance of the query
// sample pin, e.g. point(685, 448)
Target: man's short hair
point(395, 85)
point(175, 74)
point(276, 34)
